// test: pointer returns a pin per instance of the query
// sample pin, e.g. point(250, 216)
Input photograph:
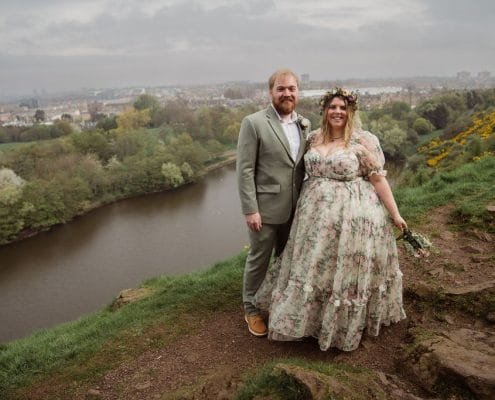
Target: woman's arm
point(384, 192)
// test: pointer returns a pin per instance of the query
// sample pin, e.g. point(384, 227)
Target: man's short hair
point(279, 73)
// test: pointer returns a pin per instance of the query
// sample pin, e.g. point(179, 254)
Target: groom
point(270, 170)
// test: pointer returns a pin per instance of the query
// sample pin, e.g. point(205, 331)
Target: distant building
point(304, 78)
point(29, 103)
point(484, 75)
point(463, 75)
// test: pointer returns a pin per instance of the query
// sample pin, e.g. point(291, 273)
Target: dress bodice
point(362, 157)
point(342, 164)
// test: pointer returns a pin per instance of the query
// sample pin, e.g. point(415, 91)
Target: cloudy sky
point(61, 45)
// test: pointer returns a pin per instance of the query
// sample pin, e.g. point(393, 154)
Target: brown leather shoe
point(256, 325)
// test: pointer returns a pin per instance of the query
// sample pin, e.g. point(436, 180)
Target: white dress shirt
point(291, 131)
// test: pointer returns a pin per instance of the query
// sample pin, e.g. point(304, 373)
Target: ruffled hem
point(339, 322)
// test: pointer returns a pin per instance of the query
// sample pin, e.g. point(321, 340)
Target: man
point(270, 170)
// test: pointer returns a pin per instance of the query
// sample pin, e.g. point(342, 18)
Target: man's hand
point(253, 221)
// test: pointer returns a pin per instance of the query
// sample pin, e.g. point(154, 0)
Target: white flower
point(308, 288)
point(303, 122)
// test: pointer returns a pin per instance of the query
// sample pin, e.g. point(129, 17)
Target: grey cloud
point(226, 27)
point(460, 11)
point(185, 42)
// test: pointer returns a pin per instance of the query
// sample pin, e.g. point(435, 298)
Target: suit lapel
point(302, 146)
point(276, 126)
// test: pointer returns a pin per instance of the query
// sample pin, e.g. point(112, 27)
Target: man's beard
point(285, 106)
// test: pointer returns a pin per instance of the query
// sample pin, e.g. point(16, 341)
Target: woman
point(339, 272)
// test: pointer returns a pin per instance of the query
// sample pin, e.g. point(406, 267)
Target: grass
point(470, 188)
point(8, 146)
point(270, 384)
point(83, 349)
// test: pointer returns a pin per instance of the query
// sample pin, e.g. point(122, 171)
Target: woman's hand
point(399, 222)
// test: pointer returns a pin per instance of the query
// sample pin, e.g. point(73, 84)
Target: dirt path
point(212, 362)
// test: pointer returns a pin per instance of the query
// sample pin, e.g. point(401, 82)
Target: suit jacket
point(268, 178)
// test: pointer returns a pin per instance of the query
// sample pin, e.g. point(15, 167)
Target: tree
point(128, 143)
point(233, 93)
point(422, 126)
point(175, 113)
point(4, 137)
point(146, 102)
point(10, 186)
point(39, 115)
point(214, 147)
point(172, 174)
point(187, 171)
point(12, 207)
point(107, 123)
point(133, 119)
point(63, 127)
point(231, 132)
point(436, 113)
point(392, 137)
point(66, 117)
point(473, 98)
point(92, 142)
point(393, 141)
point(150, 103)
point(397, 109)
point(454, 101)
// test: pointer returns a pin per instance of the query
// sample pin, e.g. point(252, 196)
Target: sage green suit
point(269, 181)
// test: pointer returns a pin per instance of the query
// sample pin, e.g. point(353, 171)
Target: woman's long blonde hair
point(353, 121)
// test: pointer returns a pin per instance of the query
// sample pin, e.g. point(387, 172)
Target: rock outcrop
point(361, 385)
point(465, 357)
point(128, 296)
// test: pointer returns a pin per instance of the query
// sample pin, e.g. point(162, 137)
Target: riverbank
point(226, 159)
point(230, 158)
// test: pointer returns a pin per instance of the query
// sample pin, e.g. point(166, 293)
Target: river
point(79, 267)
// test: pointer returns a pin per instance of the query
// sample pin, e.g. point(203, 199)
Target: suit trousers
point(271, 239)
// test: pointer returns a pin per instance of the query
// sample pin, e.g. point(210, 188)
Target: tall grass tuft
point(470, 188)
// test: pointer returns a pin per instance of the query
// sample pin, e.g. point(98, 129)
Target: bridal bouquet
point(415, 243)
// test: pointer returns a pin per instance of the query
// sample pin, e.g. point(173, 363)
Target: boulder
point(464, 356)
point(128, 296)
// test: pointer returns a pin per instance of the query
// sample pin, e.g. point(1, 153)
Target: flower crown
point(351, 97)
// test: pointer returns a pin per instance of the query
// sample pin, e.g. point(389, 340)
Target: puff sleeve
point(311, 139)
point(370, 155)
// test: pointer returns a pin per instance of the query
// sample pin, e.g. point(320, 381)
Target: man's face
point(285, 94)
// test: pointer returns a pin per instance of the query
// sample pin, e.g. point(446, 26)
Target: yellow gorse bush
point(437, 149)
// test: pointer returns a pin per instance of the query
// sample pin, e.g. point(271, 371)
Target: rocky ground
point(445, 349)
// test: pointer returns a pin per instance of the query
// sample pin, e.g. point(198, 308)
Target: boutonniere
point(303, 122)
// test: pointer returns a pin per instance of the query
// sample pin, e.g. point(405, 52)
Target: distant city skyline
point(60, 45)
